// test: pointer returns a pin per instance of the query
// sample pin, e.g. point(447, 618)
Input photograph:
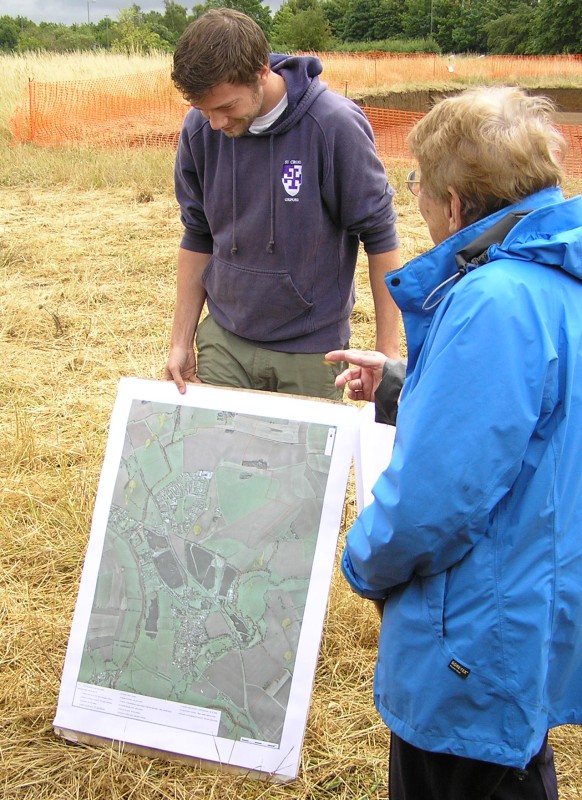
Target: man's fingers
point(174, 374)
point(365, 358)
point(361, 358)
point(347, 376)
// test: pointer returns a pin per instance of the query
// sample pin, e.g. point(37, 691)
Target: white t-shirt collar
point(262, 123)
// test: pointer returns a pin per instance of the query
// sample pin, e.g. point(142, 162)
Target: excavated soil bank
point(568, 101)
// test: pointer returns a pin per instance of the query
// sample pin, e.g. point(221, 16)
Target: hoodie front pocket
point(255, 304)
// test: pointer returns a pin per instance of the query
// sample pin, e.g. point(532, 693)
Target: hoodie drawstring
point(234, 248)
point(271, 245)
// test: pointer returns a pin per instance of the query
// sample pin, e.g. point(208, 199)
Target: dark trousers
point(419, 775)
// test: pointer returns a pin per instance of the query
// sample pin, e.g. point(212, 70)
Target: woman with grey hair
point(471, 545)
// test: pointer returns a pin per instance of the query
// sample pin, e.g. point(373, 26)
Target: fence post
point(31, 109)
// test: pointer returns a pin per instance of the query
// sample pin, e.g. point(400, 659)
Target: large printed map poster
point(204, 588)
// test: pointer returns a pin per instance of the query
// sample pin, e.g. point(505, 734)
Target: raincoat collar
point(538, 234)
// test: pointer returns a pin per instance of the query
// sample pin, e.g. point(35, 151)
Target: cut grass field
point(87, 253)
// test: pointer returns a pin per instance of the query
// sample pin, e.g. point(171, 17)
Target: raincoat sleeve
point(465, 421)
point(388, 392)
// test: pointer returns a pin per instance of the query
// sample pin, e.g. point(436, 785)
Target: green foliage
point(55, 37)
point(417, 18)
point(133, 31)
point(537, 27)
point(175, 18)
point(557, 28)
point(427, 45)
point(8, 34)
point(443, 21)
point(470, 25)
point(468, 33)
point(154, 21)
point(508, 34)
point(306, 29)
point(105, 33)
point(366, 20)
point(252, 8)
point(133, 35)
point(282, 22)
point(335, 11)
point(394, 13)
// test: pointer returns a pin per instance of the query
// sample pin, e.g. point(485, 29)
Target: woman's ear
point(455, 213)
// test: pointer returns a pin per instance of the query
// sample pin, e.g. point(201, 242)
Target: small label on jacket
point(462, 671)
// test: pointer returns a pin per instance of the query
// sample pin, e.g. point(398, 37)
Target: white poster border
point(276, 763)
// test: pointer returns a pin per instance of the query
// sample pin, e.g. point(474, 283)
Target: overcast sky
point(77, 11)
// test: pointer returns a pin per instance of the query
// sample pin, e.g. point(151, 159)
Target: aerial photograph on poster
point(206, 563)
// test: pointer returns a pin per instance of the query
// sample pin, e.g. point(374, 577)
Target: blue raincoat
point(475, 533)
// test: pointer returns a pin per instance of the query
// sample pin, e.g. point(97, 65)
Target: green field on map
point(206, 562)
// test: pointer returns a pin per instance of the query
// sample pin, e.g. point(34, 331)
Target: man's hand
point(181, 367)
point(363, 378)
point(190, 296)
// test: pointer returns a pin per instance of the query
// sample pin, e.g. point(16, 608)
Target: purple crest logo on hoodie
point(292, 176)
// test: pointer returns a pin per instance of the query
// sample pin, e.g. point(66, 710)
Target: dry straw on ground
point(87, 254)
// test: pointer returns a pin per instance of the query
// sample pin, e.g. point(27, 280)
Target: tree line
point(516, 27)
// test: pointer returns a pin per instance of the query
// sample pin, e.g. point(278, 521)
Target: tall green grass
point(426, 45)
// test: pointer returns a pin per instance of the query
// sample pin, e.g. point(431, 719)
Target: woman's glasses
point(413, 182)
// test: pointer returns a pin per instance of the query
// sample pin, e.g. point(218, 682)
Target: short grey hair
point(493, 145)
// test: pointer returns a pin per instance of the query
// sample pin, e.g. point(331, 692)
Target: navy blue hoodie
point(282, 213)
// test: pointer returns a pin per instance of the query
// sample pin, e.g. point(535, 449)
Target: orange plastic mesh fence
point(573, 161)
point(365, 73)
point(391, 129)
point(146, 110)
point(128, 111)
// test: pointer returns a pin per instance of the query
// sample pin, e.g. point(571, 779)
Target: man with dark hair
point(278, 181)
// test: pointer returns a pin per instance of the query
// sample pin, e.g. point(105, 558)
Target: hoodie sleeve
point(355, 188)
point(463, 440)
point(188, 184)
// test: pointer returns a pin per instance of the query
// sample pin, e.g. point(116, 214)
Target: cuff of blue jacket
point(356, 583)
